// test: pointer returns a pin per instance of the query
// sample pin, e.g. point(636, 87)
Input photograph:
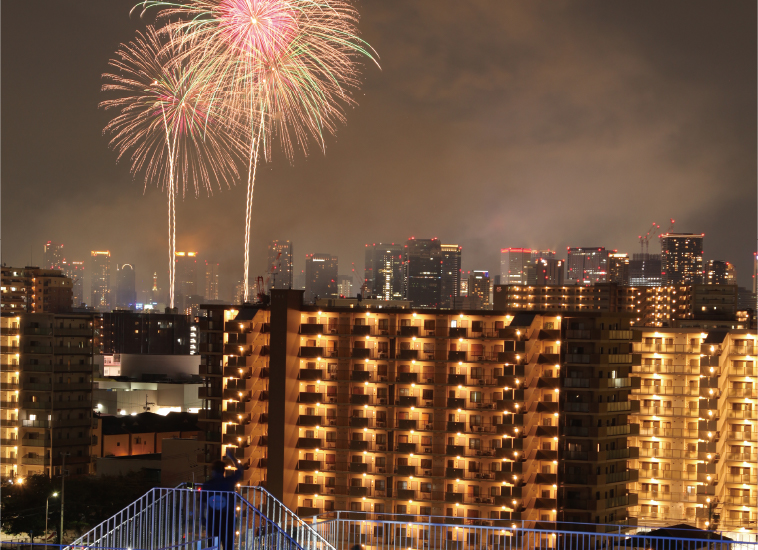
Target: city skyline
point(638, 130)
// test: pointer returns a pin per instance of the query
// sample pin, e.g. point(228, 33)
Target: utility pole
point(63, 493)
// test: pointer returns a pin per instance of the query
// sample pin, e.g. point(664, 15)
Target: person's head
point(217, 468)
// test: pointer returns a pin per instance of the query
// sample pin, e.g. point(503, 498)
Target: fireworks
point(290, 66)
point(168, 122)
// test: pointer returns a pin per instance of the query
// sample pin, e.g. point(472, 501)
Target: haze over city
point(489, 125)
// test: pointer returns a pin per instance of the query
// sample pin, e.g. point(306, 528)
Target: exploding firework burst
point(290, 66)
point(167, 122)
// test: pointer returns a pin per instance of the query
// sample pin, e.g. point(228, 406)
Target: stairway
point(187, 519)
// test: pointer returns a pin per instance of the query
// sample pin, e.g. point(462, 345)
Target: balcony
point(406, 424)
point(409, 331)
point(308, 489)
point(360, 445)
point(407, 378)
point(459, 356)
point(311, 328)
point(405, 470)
point(456, 379)
point(455, 450)
point(307, 511)
point(453, 497)
point(407, 401)
point(358, 468)
point(310, 375)
point(454, 403)
point(408, 354)
point(360, 399)
point(310, 398)
point(406, 448)
point(360, 376)
point(361, 330)
point(361, 353)
point(311, 351)
point(309, 443)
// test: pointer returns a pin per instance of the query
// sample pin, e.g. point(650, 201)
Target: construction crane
point(645, 240)
point(669, 230)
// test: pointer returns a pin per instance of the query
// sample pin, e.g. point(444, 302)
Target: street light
point(47, 508)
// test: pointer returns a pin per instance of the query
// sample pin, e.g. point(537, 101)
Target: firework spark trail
point(290, 62)
point(168, 123)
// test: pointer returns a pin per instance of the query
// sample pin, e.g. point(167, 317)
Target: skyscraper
point(755, 273)
point(211, 281)
point(126, 292)
point(53, 256)
point(549, 271)
point(479, 290)
point(618, 268)
point(75, 271)
point(450, 289)
point(645, 270)
point(682, 258)
point(186, 273)
point(320, 276)
point(423, 272)
point(514, 265)
point(345, 286)
point(383, 272)
point(279, 267)
point(587, 265)
point(720, 272)
point(101, 279)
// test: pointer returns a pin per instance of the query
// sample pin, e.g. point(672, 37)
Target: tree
point(24, 506)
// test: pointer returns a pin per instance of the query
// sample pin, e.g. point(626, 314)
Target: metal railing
point(168, 518)
point(344, 530)
point(303, 533)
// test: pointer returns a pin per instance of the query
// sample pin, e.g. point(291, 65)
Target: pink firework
point(258, 28)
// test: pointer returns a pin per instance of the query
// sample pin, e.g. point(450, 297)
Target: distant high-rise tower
point(549, 271)
point(75, 271)
point(479, 290)
point(755, 273)
point(514, 266)
point(587, 265)
point(279, 266)
point(155, 293)
point(383, 272)
point(101, 280)
point(682, 258)
point(186, 274)
point(720, 272)
point(450, 289)
point(423, 272)
point(645, 270)
point(126, 292)
point(618, 268)
point(53, 256)
point(211, 281)
point(320, 276)
point(345, 286)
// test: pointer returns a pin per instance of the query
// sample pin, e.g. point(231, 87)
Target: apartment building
point(697, 438)
point(424, 412)
point(45, 393)
point(651, 306)
point(35, 290)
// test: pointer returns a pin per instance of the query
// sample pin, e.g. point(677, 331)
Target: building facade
point(514, 265)
point(34, 290)
point(682, 258)
point(450, 282)
point(53, 256)
point(549, 271)
point(586, 265)
point(383, 272)
point(46, 370)
point(321, 276)
point(279, 267)
point(645, 270)
point(719, 272)
point(465, 414)
point(100, 280)
point(126, 287)
point(74, 270)
point(618, 268)
point(144, 333)
point(210, 288)
point(479, 290)
point(422, 272)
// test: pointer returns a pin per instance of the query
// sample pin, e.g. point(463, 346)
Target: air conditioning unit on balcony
point(427, 403)
point(428, 450)
point(382, 400)
point(382, 379)
point(481, 381)
point(332, 400)
point(381, 447)
point(330, 490)
point(382, 355)
point(381, 424)
point(385, 332)
point(429, 427)
point(380, 470)
point(427, 472)
point(332, 376)
point(332, 422)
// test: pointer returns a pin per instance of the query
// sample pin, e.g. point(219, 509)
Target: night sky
point(490, 124)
